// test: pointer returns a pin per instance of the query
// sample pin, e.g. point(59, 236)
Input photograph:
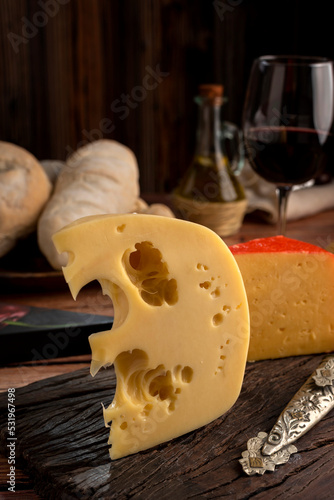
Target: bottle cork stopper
point(211, 90)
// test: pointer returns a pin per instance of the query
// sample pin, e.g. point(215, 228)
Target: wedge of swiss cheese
point(181, 324)
point(290, 290)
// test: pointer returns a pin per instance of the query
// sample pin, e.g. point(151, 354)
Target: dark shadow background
point(73, 71)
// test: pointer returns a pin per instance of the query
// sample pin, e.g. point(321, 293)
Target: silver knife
point(309, 405)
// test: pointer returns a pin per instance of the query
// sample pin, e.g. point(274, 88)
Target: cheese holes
point(206, 285)
point(187, 374)
point(215, 293)
point(121, 228)
point(149, 273)
point(217, 319)
point(222, 358)
point(148, 388)
point(202, 267)
point(161, 386)
point(147, 409)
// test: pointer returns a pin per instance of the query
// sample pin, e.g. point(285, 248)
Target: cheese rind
point(290, 290)
point(181, 329)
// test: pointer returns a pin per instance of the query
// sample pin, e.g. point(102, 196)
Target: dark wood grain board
point(62, 443)
point(75, 74)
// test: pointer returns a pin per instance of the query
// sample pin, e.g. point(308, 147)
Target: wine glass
point(287, 120)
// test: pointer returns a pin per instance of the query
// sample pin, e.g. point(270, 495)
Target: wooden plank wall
point(76, 70)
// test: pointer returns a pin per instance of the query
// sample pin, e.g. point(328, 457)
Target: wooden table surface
point(318, 229)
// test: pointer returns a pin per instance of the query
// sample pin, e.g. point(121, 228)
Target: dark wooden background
point(66, 65)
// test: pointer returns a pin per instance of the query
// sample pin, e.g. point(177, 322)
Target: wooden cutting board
point(62, 443)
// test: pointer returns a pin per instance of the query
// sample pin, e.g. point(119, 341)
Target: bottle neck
point(208, 129)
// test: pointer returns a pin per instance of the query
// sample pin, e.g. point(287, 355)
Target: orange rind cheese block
point(290, 291)
point(181, 324)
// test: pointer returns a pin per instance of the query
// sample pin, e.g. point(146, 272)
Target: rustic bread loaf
point(24, 190)
point(101, 177)
point(141, 207)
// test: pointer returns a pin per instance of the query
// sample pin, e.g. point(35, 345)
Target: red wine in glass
point(287, 155)
point(287, 121)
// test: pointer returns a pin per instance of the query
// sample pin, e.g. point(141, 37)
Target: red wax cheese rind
point(290, 292)
point(275, 244)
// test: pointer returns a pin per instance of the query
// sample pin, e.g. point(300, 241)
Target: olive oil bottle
point(210, 193)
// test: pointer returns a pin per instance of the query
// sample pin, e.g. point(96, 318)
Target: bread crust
point(24, 191)
point(101, 177)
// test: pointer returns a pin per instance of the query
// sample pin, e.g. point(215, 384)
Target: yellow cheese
point(181, 328)
point(290, 290)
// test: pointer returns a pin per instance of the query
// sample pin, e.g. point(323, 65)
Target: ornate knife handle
point(309, 405)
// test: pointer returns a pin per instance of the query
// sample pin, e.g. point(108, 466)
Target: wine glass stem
point(283, 194)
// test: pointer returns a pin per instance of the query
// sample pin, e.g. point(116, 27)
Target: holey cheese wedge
point(290, 290)
point(181, 326)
